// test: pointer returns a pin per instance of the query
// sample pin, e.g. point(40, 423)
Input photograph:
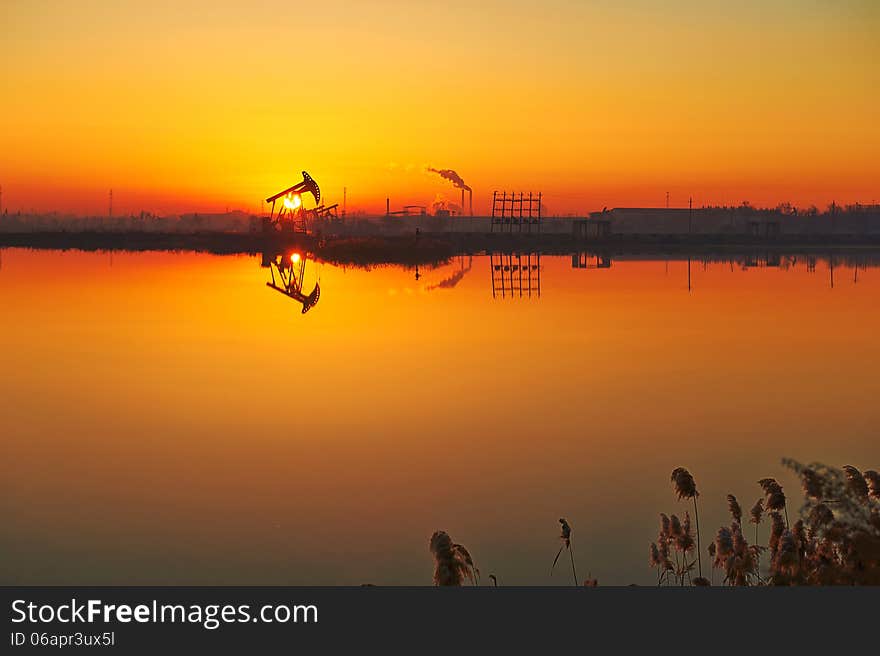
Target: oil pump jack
point(290, 270)
point(292, 216)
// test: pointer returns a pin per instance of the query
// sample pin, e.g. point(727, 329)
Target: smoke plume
point(452, 176)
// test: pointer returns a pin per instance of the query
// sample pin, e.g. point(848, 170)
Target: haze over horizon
point(192, 106)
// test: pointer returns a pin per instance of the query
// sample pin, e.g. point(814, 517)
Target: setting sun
point(292, 201)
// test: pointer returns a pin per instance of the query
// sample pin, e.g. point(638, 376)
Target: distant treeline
point(238, 222)
point(788, 209)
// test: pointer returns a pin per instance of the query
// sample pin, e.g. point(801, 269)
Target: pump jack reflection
point(288, 274)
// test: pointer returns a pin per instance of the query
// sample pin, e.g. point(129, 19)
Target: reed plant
point(565, 537)
point(834, 541)
point(686, 488)
point(452, 562)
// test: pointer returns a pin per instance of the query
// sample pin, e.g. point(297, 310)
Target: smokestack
point(387, 207)
point(458, 183)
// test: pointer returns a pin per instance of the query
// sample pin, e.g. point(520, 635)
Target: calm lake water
point(169, 419)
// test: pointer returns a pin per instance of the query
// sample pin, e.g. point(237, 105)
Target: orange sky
point(190, 105)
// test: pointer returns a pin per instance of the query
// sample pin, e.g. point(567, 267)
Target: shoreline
point(427, 248)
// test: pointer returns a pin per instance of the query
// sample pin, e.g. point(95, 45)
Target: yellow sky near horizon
point(200, 106)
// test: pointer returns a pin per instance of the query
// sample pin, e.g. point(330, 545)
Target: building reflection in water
point(745, 261)
point(515, 275)
point(518, 275)
point(590, 261)
point(288, 275)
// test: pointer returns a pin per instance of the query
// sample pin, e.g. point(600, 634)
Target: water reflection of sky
point(169, 419)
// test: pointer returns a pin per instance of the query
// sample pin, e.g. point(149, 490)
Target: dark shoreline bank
point(430, 248)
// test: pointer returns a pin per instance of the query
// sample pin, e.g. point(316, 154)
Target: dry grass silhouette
point(835, 541)
point(856, 481)
point(452, 562)
point(734, 508)
point(672, 553)
point(774, 497)
point(873, 479)
point(565, 536)
point(686, 488)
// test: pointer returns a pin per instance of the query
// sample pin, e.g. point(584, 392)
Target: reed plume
point(665, 527)
point(777, 528)
point(739, 542)
point(466, 557)
point(734, 508)
point(452, 562)
point(684, 541)
point(856, 482)
point(820, 516)
point(812, 484)
point(774, 496)
point(756, 513)
point(785, 560)
point(723, 546)
point(684, 483)
point(873, 479)
point(674, 526)
point(768, 485)
point(799, 532)
point(686, 488)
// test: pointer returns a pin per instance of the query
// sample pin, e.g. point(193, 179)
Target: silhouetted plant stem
point(758, 551)
point(573, 572)
point(699, 549)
